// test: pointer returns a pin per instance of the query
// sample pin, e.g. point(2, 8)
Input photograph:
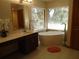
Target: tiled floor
point(42, 53)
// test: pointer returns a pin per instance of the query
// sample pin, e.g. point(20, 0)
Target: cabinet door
point(75, 26)
point(7, 48)
point(35, 40)
point(28, 43)
point(25, 45)
point(32, 41)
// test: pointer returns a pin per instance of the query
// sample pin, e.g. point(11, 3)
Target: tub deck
point(51, 38)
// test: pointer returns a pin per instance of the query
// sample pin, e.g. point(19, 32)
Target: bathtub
point(51, 38)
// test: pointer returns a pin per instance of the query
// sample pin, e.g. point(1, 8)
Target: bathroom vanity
point(24, 42)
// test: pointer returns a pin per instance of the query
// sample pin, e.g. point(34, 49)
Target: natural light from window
point(37, 19)
point(57, 18)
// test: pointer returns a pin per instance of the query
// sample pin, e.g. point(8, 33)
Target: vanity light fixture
point(26, 1)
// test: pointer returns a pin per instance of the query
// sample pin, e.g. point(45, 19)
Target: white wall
point(38, 3)
point(26, 17)
point(4, 9)
point(69, 22)
point(57, 3)
point(5, 12)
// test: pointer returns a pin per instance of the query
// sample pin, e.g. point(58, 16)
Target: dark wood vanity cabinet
point(28, 43)
point(24, 44)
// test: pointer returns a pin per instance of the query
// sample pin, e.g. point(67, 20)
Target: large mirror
point(17, 14)
point(20, 15)
point(11, 16)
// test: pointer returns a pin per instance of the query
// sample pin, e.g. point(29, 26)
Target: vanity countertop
point(14, 35)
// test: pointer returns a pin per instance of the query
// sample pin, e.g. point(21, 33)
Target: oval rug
point(53, 49)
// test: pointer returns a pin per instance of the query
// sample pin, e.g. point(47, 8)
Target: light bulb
point(29, 0)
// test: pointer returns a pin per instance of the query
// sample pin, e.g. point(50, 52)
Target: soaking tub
point(51, 38)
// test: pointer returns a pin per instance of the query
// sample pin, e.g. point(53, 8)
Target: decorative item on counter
point(3, 31)
point(0, 33)
point(4, 26)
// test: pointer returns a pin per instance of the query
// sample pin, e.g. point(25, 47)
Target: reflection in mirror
point(17, 16)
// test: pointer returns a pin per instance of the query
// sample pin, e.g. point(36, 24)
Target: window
point(57, 18)
point(37, 18)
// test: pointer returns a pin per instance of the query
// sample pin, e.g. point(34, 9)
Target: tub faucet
point(65, 34)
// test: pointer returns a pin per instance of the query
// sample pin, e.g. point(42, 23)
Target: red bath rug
point(53, 49)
